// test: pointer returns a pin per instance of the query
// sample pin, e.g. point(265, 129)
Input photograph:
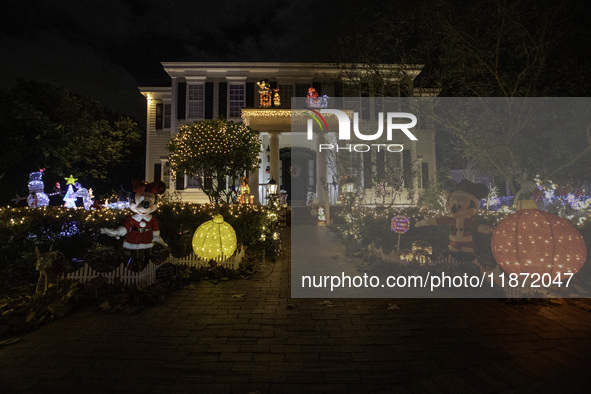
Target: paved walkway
point(208, 339)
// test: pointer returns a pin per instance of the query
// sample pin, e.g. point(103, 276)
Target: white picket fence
point(148, 274)
point(121, 273)
point(509, 292)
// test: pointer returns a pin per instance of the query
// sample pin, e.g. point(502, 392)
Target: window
point(193, 182)
point(167, 114)
point(158, 116)
point(236, 100)
point(286, 93)
point(195, 101)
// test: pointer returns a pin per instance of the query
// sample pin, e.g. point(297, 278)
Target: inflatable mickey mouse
point(462, 204)
point(141, 230)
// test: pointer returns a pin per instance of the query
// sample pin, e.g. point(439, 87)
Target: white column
point(173, 115)
point(322, 179)
point(148, 139)
point(274, 155)
point(253, 184)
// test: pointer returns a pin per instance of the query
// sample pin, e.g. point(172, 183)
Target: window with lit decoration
point(236, 97)
point(195, 101)
point(287, 92)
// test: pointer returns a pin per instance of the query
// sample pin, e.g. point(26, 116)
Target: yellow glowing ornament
point(214, 240)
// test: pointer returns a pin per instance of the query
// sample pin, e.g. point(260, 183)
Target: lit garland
point(247, 114)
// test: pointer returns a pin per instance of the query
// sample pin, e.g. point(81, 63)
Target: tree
point(489, 48)
point(515, 49)
point(47, 126)
point(520, 138)
point(218, 151)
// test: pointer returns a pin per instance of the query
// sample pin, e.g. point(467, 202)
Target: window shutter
point(249, 102)
point(181, 108)
point(364, 103)
point(407, 168)
point(221, 183)
point(380, 166)
point(338, 95)
point(208, 105)
point(318, 87)
point(208, 182)
point(157, 172)
point(301, 90)
point(223, 100)
point(180, 182)
point(159, 117)
point(425, 175)
point(367, 173)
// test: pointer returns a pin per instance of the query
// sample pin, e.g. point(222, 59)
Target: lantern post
point(272, 188)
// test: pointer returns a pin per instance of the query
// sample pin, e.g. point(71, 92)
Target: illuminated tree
point(218, 151)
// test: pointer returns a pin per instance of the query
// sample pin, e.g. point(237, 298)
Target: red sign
point(400, 224)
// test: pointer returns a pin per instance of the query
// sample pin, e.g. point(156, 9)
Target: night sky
point(106, 49)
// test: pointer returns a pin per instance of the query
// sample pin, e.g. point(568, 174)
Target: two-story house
point(209, 90)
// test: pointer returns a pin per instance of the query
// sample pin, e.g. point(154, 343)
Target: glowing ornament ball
point(214, 240)
point(534, 241)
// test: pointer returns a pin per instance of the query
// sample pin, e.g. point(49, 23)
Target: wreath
point(294, 171)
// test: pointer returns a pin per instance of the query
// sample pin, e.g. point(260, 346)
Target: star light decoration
point(71, 180)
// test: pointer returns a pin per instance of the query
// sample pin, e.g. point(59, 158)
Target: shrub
point(75, 232)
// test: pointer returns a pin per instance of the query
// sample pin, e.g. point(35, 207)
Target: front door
point(298, 175)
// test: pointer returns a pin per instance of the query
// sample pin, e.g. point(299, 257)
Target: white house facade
point(201, 91)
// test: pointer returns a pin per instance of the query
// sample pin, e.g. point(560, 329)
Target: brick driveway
point(209, 339)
